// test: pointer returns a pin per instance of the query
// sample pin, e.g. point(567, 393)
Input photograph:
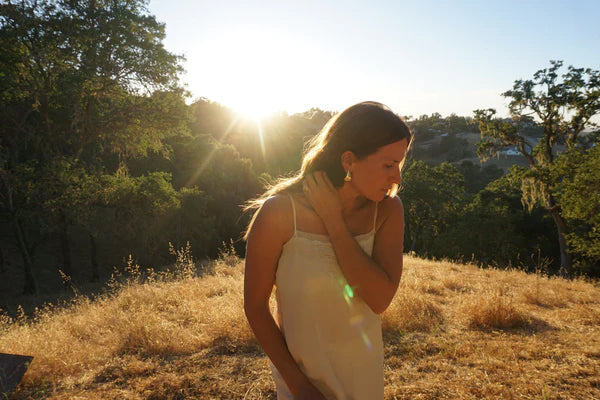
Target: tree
point(477, 177)
point(82, 76)
point(225, 179)
point(274, 144)
point(432, 197)
point(563, 107)
point(493, 229)
point(577, 174)
point(454, 148)
point(84, 81)
point(16, 204)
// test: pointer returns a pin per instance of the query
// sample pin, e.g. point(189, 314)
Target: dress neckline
point(321, 237)
point(325, 238)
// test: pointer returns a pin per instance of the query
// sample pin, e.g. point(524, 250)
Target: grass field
point(453, 332)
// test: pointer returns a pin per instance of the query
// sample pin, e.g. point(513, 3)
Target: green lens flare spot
point(349, 291)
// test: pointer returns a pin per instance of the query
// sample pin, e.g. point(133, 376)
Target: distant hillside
point(453, 331)
point(459, 147)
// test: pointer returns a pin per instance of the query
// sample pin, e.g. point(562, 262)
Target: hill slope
point(453, 331)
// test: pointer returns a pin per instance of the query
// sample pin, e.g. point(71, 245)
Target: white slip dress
point(333, 336)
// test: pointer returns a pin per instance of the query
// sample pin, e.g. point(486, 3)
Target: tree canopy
point(82, 83)
point(563, 105)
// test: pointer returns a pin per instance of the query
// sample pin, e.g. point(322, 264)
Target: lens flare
point(357, 320)
point(348, 290)
point(366, 340)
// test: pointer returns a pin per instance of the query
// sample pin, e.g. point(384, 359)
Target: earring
point(348, 177)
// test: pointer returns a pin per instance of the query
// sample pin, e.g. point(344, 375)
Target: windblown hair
point(362, 129)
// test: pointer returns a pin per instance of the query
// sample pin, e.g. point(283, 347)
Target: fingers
point(317, 178)
point(310, 180)
point(323, 180)
point(308, 183)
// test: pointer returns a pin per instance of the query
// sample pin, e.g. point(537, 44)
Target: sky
point(417, 57)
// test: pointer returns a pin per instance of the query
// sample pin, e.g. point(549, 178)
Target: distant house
point(511, 151)
point(443, 135)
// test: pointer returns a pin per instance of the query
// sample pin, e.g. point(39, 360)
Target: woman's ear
point(348, 158)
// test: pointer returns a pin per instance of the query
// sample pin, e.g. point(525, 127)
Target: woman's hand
point(323, 197)
point(309, 392)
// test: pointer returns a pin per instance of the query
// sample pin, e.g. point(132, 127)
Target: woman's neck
point(351, 200)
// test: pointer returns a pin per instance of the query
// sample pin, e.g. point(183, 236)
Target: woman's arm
point(374, 279)
point(272, 227)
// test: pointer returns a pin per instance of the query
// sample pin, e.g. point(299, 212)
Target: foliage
point(432, 196)
point(425, 126)
point(274, 144)
point(564, 107)
point(494, 229)
point(212, 180)
point(226, 179)
point(195, 223)
point(477, 177)
point(454, 148)
point(577, 187)
point(81, 82)
point(82, 76)
point(489, 227)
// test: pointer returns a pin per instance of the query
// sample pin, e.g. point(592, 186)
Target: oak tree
point(563, 106)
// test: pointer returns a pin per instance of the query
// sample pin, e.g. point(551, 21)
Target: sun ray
point(261, 138)
point(210, 155)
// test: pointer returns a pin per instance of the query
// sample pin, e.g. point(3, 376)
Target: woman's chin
point(377, 197)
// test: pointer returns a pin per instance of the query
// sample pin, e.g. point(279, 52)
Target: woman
point(330, 240)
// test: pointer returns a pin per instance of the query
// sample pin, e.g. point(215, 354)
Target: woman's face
point(374, 175)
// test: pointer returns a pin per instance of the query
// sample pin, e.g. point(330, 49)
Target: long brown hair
point(362, 129)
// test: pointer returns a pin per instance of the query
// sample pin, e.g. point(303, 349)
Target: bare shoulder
point(389, 237)
point(390, 208)
point(275, 218)
point(278, 206)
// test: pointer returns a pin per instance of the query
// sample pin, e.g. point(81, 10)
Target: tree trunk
point(2, 261)
point(94, 259)
point(30, 286)
point(566, 260)
point(65, 247)
point(414, 241)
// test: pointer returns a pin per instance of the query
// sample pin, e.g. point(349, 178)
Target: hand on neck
point(351, 199)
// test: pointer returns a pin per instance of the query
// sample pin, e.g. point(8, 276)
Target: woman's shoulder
point(390, 207)
point(276, 212)
point(391, 204)
point(279, 204)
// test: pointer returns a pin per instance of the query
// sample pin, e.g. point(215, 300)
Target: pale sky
point(418, 57)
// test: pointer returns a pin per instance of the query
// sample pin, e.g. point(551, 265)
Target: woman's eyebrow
point(390, 158)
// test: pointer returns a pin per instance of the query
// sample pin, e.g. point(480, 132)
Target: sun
point(252, 111)
point(258, 73)
point(255, 96)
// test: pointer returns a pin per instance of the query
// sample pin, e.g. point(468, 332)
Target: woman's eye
point(389, 165)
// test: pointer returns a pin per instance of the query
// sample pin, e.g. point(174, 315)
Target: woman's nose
point(396, 176)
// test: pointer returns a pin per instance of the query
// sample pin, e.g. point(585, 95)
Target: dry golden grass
point(452, 332)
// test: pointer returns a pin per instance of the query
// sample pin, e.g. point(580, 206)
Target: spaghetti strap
point(293, 211)
point(375, 217)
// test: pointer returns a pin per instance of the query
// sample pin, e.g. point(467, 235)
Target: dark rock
point(12, 369)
